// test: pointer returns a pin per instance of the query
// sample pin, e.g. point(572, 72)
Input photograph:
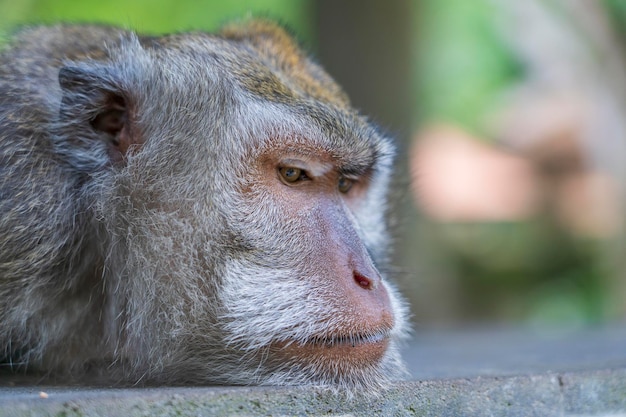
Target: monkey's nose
point(373, 305)
point(363, 281)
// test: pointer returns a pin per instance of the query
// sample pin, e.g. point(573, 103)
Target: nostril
point(362, 281)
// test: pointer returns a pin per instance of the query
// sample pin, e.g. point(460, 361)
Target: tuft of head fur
point(162, 261)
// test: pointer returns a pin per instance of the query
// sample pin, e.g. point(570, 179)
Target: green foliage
point(617, 13)
point(464, 64)
point(531, 270)
point(156, 16)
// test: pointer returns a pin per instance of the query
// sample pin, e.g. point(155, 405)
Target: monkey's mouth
point(352, 350)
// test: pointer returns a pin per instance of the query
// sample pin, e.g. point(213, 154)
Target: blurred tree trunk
point(366, 45)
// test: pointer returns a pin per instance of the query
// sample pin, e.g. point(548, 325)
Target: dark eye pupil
point(344, 184)
point(291, 175)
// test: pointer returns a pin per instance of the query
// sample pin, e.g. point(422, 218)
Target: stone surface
point(474, 372)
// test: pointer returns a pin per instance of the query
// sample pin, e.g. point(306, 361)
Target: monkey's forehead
point(278, 51)
point(260, 56)
point(300, 80)
point(277, 85)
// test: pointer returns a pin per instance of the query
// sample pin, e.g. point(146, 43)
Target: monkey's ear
point(94, 105)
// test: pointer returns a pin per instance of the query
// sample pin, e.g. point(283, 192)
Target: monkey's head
point(240, 204)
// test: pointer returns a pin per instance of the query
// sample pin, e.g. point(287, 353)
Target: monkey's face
point(304, 296)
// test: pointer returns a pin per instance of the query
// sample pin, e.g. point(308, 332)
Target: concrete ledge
point(499, 373)
point(598, 393)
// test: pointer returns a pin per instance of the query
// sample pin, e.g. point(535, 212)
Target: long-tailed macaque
point(192, 208)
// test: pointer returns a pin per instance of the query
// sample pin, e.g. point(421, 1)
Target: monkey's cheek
point(342, 357)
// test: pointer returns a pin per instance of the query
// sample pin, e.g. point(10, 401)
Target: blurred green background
point(509, 121)
point(156, 16)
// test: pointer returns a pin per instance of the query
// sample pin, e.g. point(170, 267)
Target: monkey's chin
point(345, 352)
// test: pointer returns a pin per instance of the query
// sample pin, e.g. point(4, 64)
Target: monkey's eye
point(291, 174)
point(345, 184)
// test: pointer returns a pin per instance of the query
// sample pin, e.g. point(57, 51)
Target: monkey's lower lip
point(352, 350)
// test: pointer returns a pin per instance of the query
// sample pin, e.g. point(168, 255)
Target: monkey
point(193, 208)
